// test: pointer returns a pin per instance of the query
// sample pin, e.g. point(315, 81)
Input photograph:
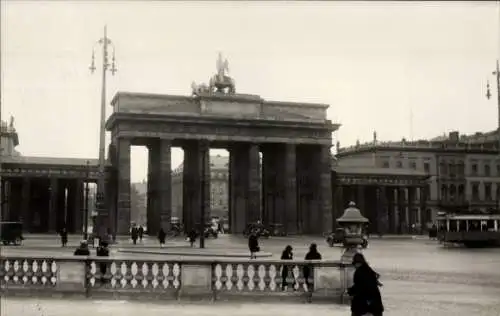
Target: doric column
point(245, 186)
point(325, 187)
point(78, 210)
point(153, 163)
point(423, 209)
point(25, 204)
point(165, 184)
point(191, 188)
point(401, 206)
point(5, 194)
point(253, 186)
point(192, 174)
point(390, 210)
point(360, 200)
point(382, 210)
point(290, 182)
point(411, 208)
point(123, 203)
point(338, 202)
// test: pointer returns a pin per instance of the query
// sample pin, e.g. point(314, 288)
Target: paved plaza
point(420, 278)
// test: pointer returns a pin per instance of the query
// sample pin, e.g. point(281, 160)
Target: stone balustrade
point(173, 278)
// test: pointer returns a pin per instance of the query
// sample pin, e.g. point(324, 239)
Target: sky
point(405, 70)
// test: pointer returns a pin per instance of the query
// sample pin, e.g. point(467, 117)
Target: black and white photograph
point(250, 158)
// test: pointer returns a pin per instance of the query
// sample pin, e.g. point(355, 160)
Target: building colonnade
point(290, 187)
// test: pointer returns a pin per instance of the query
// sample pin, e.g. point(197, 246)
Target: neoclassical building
point(463, 170)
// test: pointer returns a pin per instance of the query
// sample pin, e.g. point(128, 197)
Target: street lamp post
point(496, 73)
point(106, 43)
point(86, 220)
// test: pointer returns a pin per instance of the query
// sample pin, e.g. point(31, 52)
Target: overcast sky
point(374, 63)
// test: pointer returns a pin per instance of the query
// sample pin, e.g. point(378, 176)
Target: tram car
point(470, 230)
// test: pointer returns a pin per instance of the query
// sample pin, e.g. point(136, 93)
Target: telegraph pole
point(496, 73)
point(103, 216)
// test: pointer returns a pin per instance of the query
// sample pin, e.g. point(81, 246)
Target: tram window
point(453, 225)
point(462, 226)
point(489, 225)
point(474, 225)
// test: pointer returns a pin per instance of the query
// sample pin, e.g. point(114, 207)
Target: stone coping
point(196, 253)
point(194, 260)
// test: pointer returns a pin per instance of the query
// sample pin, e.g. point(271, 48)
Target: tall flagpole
point(102, 213)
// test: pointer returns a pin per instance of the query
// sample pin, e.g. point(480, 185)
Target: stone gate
point(290, 185)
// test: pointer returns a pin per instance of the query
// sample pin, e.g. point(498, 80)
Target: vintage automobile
point(12, 233)
point(256, 228)
point(277, 230)
point(339, 237)
point(210, 231)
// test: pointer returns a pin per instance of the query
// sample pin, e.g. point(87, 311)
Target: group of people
point(365, 294)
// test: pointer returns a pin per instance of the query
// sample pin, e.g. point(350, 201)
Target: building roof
point(482, 142)
point(30, 160)
point(361, 170)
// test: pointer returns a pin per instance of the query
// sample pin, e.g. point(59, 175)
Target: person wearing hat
point(365, 293)
point(83, 249)
point(103, 251)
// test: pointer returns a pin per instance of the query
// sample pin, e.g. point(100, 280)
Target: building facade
point(45, 194)
point(463, 170)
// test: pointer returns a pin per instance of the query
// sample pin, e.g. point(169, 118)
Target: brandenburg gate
point(291, 185)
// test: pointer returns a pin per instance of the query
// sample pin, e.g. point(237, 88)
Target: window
point(453, 192)
point(385, 164)
point(451, 169)
point(487, 171)
point(498, 170)
point(461, 192)
point(413, 165)
point(442, 168)
point(475, 191)
point(461, 168)
point(444, 192)
point(399, 164)
point(474, 169)
point(487, 192)
point(498, 192)
point(427, 167)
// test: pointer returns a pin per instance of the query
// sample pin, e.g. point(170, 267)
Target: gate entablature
point(228, 118)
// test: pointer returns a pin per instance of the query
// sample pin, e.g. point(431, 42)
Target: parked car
point(12, 233)
point(256, 228)
point(210, 231)
point(339, 237)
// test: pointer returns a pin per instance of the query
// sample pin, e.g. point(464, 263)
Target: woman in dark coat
point(287, 254)
point(365, 292)
point(161, 237)
point(253, 245)
point(313, 254)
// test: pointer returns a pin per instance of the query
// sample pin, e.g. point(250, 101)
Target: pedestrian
point(83, 249)
point(192, 237)
point(140, 231)
point(103, 251)
point(308, 271)
point(253, 245)
point(134, 234)
point(64, 237)
point(365, 293)
point(287, 270)
point(162, 236)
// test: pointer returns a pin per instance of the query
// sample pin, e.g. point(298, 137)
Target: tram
point(471, 230)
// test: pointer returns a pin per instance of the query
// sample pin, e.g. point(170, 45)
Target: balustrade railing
point(177, 278)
